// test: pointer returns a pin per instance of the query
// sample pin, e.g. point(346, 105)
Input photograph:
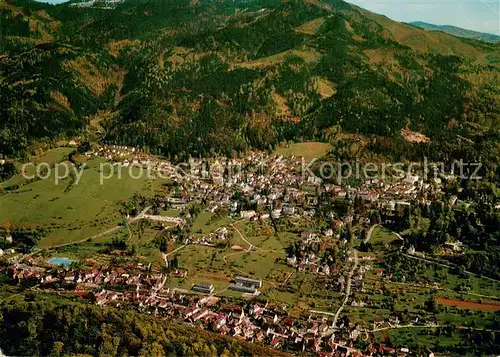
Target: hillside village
point(262, 188)
point(274, 186)
point(251, 321)
point(247, 177)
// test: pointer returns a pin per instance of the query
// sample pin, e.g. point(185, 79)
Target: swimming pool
point(60, 261)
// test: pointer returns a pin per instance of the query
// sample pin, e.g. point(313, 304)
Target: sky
point(477, 15)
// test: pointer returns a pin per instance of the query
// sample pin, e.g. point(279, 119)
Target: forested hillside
point(198, 77)
point(39, 327)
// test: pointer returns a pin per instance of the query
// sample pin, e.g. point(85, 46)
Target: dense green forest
point(40, 326)
point(202, 77)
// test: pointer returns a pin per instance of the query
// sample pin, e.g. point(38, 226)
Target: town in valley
point(257, 249)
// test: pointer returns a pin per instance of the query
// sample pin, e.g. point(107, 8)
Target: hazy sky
point(478, 15)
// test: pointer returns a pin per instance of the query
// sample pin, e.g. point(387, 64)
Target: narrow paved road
point(403, 326)
point(348, 287)
point(322, 312)
point(287, 278)
point(427, 326)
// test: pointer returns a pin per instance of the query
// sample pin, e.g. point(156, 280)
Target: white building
point(247, 214)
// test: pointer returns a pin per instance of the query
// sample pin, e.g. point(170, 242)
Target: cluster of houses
point(140, 279)
point(254, 320)
point(219, 234)
point(145, 291)
point(259, 186)
point(256, 187)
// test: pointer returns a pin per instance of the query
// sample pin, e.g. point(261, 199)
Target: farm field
point(71, 211)
point(470, 305)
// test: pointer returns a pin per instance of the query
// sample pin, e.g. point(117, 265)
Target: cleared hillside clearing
point(310, 27)
point(325, 87)
point(308, 56)
point(308, 150)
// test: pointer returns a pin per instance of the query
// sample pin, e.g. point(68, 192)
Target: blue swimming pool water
point(60, 261)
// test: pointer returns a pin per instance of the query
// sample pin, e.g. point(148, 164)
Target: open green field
point(262, 235)
point(308, 150)
point(417, 339)
point(50, 157)
point(74, 211)
point(382, 235)
point(203, 264)
point(205, 223)
point(219, 265)
point(256, 264)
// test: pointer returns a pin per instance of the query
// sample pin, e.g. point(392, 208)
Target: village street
point(348, 287)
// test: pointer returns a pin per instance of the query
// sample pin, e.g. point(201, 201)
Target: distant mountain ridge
point(205, 77)
point(458, 31)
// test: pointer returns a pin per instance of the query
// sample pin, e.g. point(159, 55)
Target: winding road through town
point(348, 288)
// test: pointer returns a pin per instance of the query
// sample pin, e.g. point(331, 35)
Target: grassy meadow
point(219, 265)
point(72, 211)
point(205, 223)
point(382, 236)
point(308, 150)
